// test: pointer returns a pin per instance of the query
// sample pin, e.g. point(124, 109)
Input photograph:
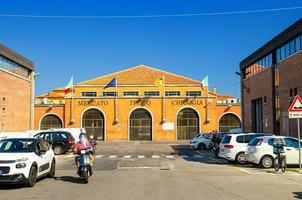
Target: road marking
point(243, 170)
point(141, 156)
point(137, 167)
point(198, 156)
point(99, 156)
point(155, 156)
point(127, 156)
point(112, 156)
point(169, 156)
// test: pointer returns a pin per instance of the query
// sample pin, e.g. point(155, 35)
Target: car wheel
point(32, 178)
point(52, 171)
point(201, 146)
point(58, 150)
point(266, 162)
point(240, 158)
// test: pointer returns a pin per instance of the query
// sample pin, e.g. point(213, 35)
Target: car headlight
point(22, 159)
point(20, 165)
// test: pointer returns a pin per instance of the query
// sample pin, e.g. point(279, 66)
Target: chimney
point(214, 90)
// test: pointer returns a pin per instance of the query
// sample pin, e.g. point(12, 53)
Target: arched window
point(93, 122)
point(228, 122)
point(187, 124)
point(140, 125)
point(51, 121)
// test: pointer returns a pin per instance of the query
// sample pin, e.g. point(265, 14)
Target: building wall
point(15, 96)
point(290, 77)
point(258, 86)
point(44, 110)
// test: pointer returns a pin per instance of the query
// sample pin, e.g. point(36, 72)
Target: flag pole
point(116, 118)
point(164, 100)
point(72, 94)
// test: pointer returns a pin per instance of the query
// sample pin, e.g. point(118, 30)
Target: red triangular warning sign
point(296, 106)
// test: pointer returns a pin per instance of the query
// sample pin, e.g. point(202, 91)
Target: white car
point(23, 160)
point(201, 141)
point(260, 151)
point(233, 146)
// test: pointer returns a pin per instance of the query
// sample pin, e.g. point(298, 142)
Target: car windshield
point(16, 146)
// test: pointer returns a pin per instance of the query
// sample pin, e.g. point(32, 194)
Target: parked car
point(201, 141)
point(25, 160)
point(260, 151)
point(233, 146)
point(61, 141)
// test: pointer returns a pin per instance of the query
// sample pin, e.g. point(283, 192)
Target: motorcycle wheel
point(85, 177)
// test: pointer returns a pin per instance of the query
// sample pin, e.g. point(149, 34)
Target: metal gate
point(187, 124)
point(228, 122)
point(93, 122)
point(140, 125)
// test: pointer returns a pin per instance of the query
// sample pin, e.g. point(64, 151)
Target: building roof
point(17, 58)
point(141, 75)
point(282, 38)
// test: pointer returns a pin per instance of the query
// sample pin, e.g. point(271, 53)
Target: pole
point(164, 103)
point(72, 94)
point(207, 118)
point(115, 109)
point(298, 122)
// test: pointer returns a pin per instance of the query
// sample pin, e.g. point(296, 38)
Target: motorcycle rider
point(83, 143)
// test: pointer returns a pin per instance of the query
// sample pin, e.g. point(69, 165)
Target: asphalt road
point(160, 171)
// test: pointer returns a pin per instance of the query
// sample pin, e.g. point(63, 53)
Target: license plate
point(1, 172)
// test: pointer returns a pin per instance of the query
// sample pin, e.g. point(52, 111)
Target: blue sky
point(190, 46)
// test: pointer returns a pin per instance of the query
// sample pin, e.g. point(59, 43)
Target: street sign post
point(295, 112)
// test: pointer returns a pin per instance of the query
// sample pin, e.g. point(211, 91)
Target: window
point(130, 93)
point(110, 94)
point(226, 139)
point(290, 142)
point(295, 92)
point(172, 93)
point(291, 93)
point(193, 93)
point(240, 139)
point(89, 94)
point(151, 93)
point(289, 48)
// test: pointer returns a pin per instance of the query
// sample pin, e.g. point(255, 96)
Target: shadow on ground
point(70, 179)
point(297, 195)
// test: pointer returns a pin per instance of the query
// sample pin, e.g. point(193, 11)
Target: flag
point(205, 81)
point(69, 86)
point(112, 83)
point(159, 82)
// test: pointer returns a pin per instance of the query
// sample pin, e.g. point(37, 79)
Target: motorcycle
point(85, 166)
point(216, 149)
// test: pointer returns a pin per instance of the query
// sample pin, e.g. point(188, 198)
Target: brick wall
point(258, 86)
point(15, 95)
point(290, 77)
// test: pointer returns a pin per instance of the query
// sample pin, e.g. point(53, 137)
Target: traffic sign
point(295, 109)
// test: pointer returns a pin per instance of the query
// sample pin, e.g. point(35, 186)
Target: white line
point(155, 156)
point(112, 156)
point(169, 156)
point(136, 167)
point(141, 156)
point(198, 156)
point(127, 156)
point(99, 156)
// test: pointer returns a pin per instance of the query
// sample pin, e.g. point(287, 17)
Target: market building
point(270, 79)
point(138, 108)
point(16, 91)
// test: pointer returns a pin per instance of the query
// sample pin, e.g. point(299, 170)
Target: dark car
point(61, 141)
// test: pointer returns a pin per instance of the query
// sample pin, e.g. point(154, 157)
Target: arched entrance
point(140, 125)
point(51, 121)
point(229, 121)
point(93, 122)
point(187, 124)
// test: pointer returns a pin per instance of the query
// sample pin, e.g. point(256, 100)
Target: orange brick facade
point(16, 91)
point(163, 110)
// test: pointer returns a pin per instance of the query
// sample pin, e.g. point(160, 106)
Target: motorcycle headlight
point(20, 165)
point(22, 159)
point(82, 151)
